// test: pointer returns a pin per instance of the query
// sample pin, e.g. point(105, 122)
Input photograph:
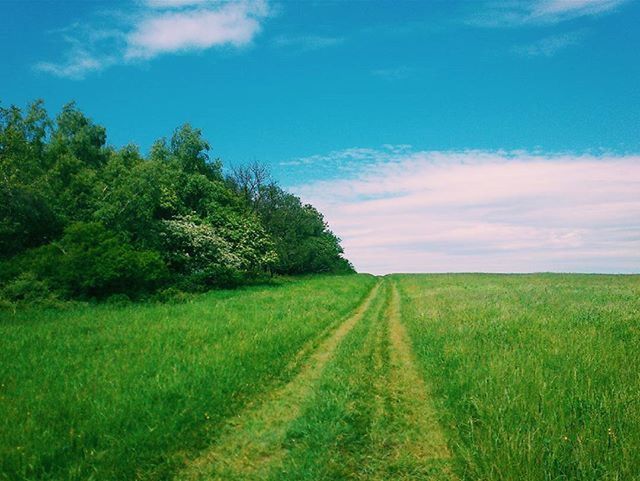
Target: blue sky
point(334, 92)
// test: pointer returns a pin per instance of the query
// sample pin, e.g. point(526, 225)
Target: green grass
point(465, 377)
point(331, 439)
point(366, 420)
point(537, 377)
point(114, 393)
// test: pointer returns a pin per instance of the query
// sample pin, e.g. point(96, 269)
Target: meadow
point(407, 377)
point(535, 376)
point(114, 393)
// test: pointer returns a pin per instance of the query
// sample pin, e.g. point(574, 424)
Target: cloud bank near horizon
point(403, 211)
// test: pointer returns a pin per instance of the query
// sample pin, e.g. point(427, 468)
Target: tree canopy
point(82, 219)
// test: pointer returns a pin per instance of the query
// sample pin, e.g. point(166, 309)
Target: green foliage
point(92, 221)
point(27, 288)
point(173, 295)
point(26, 215)
point(26, 220)
point(91, 261)
point(94, 261)
point(78, 137)
point(303, 240)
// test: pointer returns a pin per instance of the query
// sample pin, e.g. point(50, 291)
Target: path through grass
point(115, 393)
point(251, 443)
point(357, 410)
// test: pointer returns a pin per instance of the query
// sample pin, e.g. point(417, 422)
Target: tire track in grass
point(251, 444)
point(415, 447)
point(331, 439)
point(373, 458)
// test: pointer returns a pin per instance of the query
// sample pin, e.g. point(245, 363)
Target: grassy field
point(112, 393)
point(416, 377)
point(536, 376)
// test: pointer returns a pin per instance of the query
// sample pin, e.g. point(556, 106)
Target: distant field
point(407, 377)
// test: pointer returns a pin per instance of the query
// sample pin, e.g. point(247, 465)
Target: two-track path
point(403, 438)
point(414, 443)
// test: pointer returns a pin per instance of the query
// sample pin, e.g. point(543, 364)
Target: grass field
point(536, 376)
point(112, 393)
point(416, 377)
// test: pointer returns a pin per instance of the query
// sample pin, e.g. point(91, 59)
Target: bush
point(172, 295)
point(97, 262)
point(27, 288)
point(118, 299)
point(90, 261)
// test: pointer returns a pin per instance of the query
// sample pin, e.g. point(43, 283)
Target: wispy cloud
point(541, 12)
point(174, 3)
point(88, 49)
point(78, 64)
point(549, 46)
point(159, 27)
point(399, 210)
point(559, 9)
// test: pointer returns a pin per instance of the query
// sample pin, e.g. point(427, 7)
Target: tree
point(82, 219)
point(26, 219)
point(216, 256)
point(91, 261)
point(250, 181)
point(304, 243)
point(76, 135)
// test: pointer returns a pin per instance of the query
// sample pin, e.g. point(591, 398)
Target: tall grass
point(537, 376)
point(114, 393)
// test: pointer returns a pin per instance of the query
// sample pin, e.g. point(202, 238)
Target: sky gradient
point(436, 136)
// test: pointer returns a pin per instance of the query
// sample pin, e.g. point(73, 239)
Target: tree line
point(80, 219)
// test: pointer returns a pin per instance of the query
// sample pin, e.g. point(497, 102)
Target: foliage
point(89, 220)
point(303, 241)
point(26, 288)
point(92, 261)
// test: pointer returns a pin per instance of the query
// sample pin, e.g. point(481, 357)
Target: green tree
point(82, 219)
point(303, 241)
point(26, 220)
point(91, 261)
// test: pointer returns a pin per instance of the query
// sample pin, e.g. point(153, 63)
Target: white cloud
point(485, 211)
point(159, 27)
point(174, 3)
point(557, 9)
point(516, 13)
point(233, 23)
point(549, 46)
point(78, 64)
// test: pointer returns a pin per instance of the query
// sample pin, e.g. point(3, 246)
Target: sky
point(435, 136)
